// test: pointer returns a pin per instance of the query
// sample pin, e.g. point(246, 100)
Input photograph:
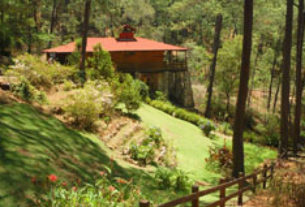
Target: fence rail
point(244, 183)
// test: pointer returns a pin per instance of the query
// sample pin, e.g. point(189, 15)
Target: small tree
point(128, 92)
point(227, 75)
point(100, 64)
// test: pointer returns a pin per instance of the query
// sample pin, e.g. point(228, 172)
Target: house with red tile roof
point(162, 66)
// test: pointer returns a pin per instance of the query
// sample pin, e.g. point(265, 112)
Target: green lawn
point(192, 146)
point(35, 144)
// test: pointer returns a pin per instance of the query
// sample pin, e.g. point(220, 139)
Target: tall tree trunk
point(272, 74)
point(238, 145)
point(298, 85)
point(277, 93)
point(286, 81)
point(2, 15)
point(37, 14)
point(84, 40)
point(213, 65)
point(53, 20)
point(259, 48)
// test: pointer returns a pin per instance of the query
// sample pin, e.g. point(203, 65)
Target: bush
point(143, 90)
point(164, 178)
point(39, 73)
point(155, 135)
point(226, 129)
point(127, 91)
point(172, 178)
point(160, 96)
point(28, 92)
point(69, 85)
point(220, 159)
point(100, 64)
point(152, 149)
point(207, 128)
point(85, 105)
point(143, 153)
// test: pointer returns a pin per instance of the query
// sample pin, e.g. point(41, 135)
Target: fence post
point(265, 176)
point(254, 181)
point(240, 188)
point(144, 203)
point(195, 202)
point(222, 194)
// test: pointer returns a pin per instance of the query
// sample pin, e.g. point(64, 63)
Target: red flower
point(119, 180)
point(74, 188)
point(102, 173)
point(34, 179)
point(111, 188)
point(64, 184)
point(52, 178)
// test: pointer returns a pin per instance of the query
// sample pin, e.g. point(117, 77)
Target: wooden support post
point(254, 182)
point(222, 194)
point(144, 203)
point(195, 202)
point(240, 188)
point(272, 170)
point(265, 176)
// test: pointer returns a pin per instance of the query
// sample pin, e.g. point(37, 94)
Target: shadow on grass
point(34, 144)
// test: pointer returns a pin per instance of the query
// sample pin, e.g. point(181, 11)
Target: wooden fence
point(244, 183)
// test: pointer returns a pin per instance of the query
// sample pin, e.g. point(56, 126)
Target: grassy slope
point(192, 146)
point(37, 145)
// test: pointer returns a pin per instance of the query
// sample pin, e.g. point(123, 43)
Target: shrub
point(288, 188)
point(85, 105)
point(155, 135)
point(68, 85)
point(164, 178)
point(127, 91)
point(220, 159)
point(153, 149)
point(143, 90)
point(143, 153)
point(39, 73)
point(160, 96)
point(207, 127)
point(28, 92)
point(182, 181)
point(226, 129)
point(100, 64)
point(172, 178)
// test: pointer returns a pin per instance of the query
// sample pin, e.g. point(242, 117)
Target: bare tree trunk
point(53, 20)
point(298, 85)
point(253, 72)
point(84, 40)
point(2, 15)
point(272, 73)
point(213, 65)
point(238, 145)
point(277, 93)
point(286, 81)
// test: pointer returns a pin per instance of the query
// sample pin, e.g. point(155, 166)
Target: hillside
point(36, 145)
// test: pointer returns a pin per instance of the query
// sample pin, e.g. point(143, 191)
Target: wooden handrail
point(196, 194)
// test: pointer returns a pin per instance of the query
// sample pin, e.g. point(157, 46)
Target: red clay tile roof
point(112, 45)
